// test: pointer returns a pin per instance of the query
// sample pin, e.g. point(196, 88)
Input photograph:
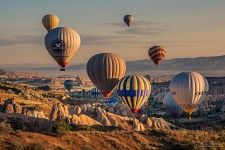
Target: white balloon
point(62, 43)
point(171, 105)
point(188, 90)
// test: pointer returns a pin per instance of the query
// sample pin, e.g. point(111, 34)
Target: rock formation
point(96, 115)
point(10, 106)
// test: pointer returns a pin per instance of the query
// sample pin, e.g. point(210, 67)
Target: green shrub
point(5, 127)
point(61, 128)
point(17, 124)
point(17, 145)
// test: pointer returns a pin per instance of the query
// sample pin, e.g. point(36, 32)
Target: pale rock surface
point(59, 111)
point(138, 126)
point(83, 120)
point(101, 117)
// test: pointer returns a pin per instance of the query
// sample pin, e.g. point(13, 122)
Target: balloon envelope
point(134, 91)
point(188, 89)
point(68, 84)
point(172, 107)
point(50, 21)
point(128, 19)
point(95, 92)
point(112, 101)
point(62, 44)
point(157, 54)
point(105, 70)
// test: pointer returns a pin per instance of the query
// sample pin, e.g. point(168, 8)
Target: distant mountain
point(199, 63)
point(208, 65)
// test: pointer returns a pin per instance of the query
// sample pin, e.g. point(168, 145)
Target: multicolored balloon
point(134, 91)
point(188, 90)
point(157, 54)
point(128, 19)
point(171, 106)
point(50, 21)
point(105, 70)
point(62, 44)
point(68, 84)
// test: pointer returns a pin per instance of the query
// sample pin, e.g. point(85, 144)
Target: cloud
point(141, 28)
point(145, 30)
point(122, 37)
point(96, 40)
point(141, 31)
point(135, 23)
point(105, 40)
point(180, 43)
point(188, 42)
point(21, 40)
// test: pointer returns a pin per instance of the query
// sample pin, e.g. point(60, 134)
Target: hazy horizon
point(77, 64)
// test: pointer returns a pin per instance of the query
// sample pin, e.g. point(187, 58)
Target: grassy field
point(177, 139)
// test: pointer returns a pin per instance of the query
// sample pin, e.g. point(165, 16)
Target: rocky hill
point(96, 128)
point(88, 115)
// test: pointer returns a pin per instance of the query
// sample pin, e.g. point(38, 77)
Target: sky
point(186, 28)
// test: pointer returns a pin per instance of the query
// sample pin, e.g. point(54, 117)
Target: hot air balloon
point(206, 89)
point(105, 70)
point(128, 19)
point(134, 91)
point(68, 84)
point(157, 54)
point(95, 92)
point(188, 90)
point(112, 101)
point(62, 43)
point(171, 105)
point(50, 21)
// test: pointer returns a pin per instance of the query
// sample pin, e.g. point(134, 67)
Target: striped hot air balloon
point(62, 44)
point(157, 54)
point(188, 90)
point(50, 21)
point(134, 91)
point(105, 70)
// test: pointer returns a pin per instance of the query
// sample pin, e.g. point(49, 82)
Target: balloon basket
point(62, 69)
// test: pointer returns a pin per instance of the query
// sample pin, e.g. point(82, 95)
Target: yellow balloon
point(50, 21)
point(134, 91)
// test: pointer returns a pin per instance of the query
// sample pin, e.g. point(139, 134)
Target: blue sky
point(187, 28)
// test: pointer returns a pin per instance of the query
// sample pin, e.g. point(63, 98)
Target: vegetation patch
point(95, 128)
point(5, 127)
point(61, 128)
